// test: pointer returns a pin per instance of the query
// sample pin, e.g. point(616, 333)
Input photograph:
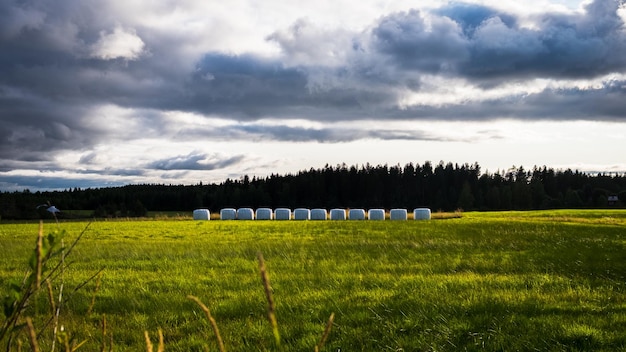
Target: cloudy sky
point(105, 93)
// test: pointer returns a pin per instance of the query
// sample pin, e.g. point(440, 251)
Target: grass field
point(546, 280)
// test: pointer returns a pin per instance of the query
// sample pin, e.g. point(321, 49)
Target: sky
point(109, 93)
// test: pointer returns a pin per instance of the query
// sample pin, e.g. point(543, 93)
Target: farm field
point(539, 280)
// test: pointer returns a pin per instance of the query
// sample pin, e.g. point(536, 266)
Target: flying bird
point(53, 209)
point(50, 208)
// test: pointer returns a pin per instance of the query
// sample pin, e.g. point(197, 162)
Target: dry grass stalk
point(329, 326)
point(207, 312)
point(104, 333)
point(53, 307)
point(271, 308)
point(161, 347)
point(66, 344)
point(74, 345)
point(149, 347)
point(39, 256)
point(55, 328)
point(95, 291)
point(32, 334)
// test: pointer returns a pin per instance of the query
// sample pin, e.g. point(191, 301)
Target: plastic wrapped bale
point(319, 214)
point(397, 214)
point(302, 214)
point(356, 214)
point(421, 214)
point(376, 214)
point(337, 214)
point(245, 214)
point(264, 214)
point(201, 214)
point(228, 214)
point(282, 214)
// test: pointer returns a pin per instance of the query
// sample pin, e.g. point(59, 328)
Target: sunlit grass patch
point(488, 281)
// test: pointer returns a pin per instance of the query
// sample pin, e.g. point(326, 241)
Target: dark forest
point(441, 187)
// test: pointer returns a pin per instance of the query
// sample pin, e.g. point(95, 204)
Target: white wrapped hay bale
point(245, 214)
point(356, 214)
point(398, 214)
point(376, 214)
point(302, 214)
point(228, 214)
point(264, 214)
point(337, 214)
point(282, 214)
point(318, 214)
point(201, 214)
point(421, 214)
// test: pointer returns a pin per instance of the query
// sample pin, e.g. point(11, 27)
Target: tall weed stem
point(271, 307)
point(207, 312)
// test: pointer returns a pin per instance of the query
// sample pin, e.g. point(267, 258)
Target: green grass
point(549, 280)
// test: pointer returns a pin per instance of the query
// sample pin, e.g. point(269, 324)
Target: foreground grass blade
point(32, 335)
point(149, 347)
point(207, 312)
point(329, 326)
point(271, 307)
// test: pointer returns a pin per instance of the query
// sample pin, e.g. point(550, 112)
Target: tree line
point(444, 187)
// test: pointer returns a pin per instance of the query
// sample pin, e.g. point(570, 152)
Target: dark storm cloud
point(247, 87)
point(605, 103)
point(47, 182)
point(484, 44)
point(264, 133)
point(40, 93)
point(112, 172)
point(48, 64)
point(415, 44)
point(36, 131)
point(196, 161)
point(471, 16)
point(52, 78)
point(55, 73)
point(222, 82)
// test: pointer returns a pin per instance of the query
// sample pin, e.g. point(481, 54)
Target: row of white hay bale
point(311, 214)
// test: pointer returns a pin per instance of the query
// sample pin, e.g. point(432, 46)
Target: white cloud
point(119, 44)
point(130, 91)
point(304, 43)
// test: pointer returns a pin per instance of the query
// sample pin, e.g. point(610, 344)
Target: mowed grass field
point(502, 281)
